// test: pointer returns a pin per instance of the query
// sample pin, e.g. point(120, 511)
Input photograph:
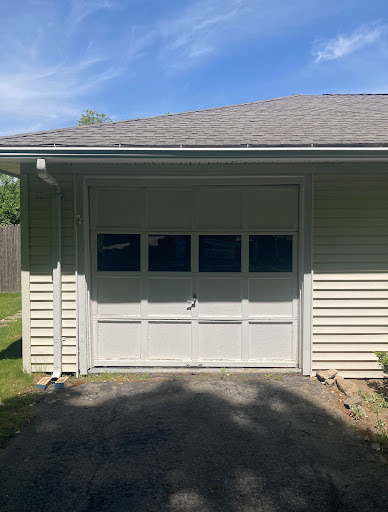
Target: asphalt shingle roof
point(300, 120)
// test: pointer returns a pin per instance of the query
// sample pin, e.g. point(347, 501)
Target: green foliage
point(9, 200)
point(377, 399)
point(382, 432)
point(93, 117)
point(383, 360)
point(355, 412)
point(364, 396)
point(17, 391)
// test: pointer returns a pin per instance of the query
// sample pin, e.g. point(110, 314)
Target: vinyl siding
point(40, 265)
point(350, 263)
point(350, 280)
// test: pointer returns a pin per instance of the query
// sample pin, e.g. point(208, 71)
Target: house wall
point(37, 269)
point(350, 267)
point(350, 264)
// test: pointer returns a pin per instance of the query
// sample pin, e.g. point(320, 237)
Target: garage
point(194, 275)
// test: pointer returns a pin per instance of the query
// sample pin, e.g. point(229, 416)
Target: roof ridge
point(353, 94)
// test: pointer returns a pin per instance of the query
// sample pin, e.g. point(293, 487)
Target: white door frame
point(83, 182)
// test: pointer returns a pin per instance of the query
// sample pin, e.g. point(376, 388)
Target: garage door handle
point(192, 301)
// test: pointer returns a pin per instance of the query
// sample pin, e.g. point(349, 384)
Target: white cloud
point(81, 9)
point(52, 94)
point(344, 45)
point(198, 30)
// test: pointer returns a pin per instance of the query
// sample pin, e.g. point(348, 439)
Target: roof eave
point(10, 157)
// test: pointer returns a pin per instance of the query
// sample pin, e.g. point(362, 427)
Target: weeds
point(377, 399)
point(382, 432)
point(355, 412)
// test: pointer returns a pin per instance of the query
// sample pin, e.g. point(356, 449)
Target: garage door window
point(118, 252)
point(169, 253)
point(220, 253)
point(270, 253)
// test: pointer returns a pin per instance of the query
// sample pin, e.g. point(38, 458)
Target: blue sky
point(137, 58)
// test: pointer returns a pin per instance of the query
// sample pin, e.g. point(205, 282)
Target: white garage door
point(194, 277)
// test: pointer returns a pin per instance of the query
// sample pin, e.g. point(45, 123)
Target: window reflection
point(118, 252)
point(169, 253)
point(219, 253)
point(270, 253)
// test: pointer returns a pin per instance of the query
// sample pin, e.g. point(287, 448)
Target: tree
point(9, 200)
point(93, 117)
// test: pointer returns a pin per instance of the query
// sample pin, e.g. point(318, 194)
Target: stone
point(330, 382)
point(324, 375)
point(353, 400)
point(347, 387)
point(375, 446)
point(362, 411)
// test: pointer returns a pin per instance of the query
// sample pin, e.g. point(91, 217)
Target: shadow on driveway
point(213, 445)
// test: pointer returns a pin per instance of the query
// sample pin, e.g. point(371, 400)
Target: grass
point(10, 303)
point(17, 389)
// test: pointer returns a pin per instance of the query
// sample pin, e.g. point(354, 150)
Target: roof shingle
point(299, 120)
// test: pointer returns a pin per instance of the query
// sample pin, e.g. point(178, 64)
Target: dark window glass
point(117, 252)
point(270, 253)
point(219, 253)
point(169, 253)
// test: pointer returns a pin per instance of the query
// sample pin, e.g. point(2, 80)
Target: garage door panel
point(220, 297)
point(169, 209)
point(220, 209)
point(119, 208)
point(169, 341)
point(118, 297)
point(168, 297)
point(271, 341)
point(199, 275)
point(118, 340)
point(272, 208)
point(220, 341)
point(271, 297)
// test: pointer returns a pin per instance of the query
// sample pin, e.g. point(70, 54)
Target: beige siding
point(350, 262)
point(40, 287)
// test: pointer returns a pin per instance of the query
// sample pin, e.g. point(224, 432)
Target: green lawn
point(10, 303)
point(17, 389)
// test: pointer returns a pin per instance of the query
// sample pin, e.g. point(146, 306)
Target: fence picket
point(10, 267)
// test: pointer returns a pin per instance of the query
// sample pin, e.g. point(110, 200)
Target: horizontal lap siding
point(41, 283)
point(350, 262)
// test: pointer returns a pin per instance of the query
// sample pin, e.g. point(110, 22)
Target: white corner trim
point(25, 273)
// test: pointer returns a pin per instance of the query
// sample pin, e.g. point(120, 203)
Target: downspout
point(57, 273)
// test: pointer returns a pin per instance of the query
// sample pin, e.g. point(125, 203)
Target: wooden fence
point(10, 259)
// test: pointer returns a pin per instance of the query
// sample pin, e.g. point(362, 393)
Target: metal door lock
point(192, 301)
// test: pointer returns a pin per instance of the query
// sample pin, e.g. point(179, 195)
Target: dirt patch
point(370, 417)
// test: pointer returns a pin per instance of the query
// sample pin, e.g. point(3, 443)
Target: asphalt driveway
point(244, 445)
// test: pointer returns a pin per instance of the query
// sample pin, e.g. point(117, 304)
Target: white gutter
point(54, 152)
point(57, 273)
point(15, 156)
point(187, 149)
